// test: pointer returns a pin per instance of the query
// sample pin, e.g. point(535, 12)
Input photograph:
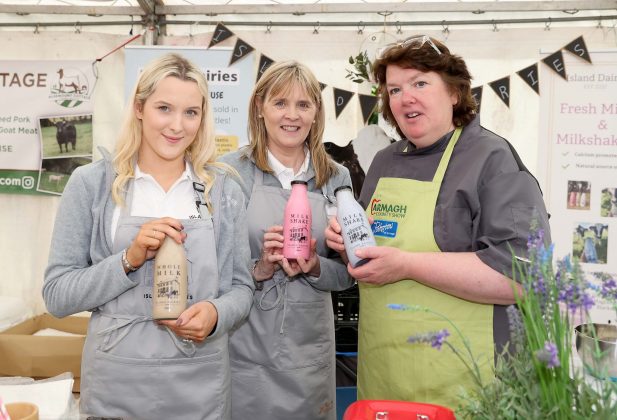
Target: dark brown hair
point(450, 67)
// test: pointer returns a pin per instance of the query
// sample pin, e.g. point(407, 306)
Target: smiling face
point(421, 104)
point(288, 117)
point(170, 119)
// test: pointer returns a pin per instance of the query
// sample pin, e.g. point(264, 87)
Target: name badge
point(385, 228)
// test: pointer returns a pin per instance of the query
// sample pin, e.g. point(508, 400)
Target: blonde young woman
point(282, 356)
point(113, 217)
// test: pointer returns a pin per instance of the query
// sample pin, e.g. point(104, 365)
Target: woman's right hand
point(271, 254)
point(150, 237)
point(334, 239)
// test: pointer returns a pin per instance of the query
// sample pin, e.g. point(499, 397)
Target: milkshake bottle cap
point(342, 187)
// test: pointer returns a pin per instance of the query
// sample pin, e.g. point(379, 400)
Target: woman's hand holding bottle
point(150, 237)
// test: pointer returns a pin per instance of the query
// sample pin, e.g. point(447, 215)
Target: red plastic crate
point(396, 410)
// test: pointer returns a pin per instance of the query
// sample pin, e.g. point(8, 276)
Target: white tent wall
point(27, 221)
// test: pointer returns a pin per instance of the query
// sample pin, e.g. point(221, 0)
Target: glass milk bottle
point(584, 195)
point(356, 230)
point(169, 290)
point(297, 223)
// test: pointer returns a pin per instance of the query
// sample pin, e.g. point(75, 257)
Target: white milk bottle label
point(356, 230)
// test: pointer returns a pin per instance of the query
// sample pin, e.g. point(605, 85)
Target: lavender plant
point(534, 376)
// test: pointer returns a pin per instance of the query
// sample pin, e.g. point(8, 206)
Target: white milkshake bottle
point(356, 230)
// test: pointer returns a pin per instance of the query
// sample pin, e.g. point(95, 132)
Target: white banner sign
point(230, 87)
point(578, 142)
point(45, 123)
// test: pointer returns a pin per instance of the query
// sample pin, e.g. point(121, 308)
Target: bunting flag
point(367, 105)
point(341, 99)
point(555, 62)
point(476, 94)
point(578, 48)
point(530, 76)
point(264, 63)
point(241, 50)
point(502, 89)
point(221, 33)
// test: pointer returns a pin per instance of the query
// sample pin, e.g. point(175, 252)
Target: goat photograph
point(65, 136)
point(55, 173)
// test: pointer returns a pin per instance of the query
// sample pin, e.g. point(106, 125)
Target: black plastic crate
point(346, 306)
point(346, 338)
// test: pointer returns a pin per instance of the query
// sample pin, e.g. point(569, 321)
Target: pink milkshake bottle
point(297, 223)
point(572, 199)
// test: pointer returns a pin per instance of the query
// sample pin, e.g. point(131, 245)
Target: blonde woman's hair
point(280, 78)
point(201, 153)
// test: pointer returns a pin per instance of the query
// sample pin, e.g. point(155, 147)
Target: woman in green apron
point(114, 216)
point(450, 202)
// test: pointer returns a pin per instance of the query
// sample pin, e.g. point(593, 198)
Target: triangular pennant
point(241, 50)
point(367, 105)
point(502, 89)
point(555, 62)
point(531, 77)
point(476, 94)
point(322, 86)
point(221, 33)
point(264, 63)
point(341, 99)
point(578, 47)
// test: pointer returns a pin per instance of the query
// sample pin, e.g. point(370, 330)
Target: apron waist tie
point(280, 287)
point(127, 322)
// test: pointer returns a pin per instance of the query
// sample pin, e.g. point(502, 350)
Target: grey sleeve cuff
point(333, 276)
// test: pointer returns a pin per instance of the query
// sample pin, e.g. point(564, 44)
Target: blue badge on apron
point(385, 228)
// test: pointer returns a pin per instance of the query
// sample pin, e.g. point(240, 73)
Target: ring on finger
point(154, 233)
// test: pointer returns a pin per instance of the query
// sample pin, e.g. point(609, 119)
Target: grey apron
point(282, 356)
point(133, 368)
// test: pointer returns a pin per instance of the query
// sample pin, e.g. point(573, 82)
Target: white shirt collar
point(279, 168)
point(187, 174)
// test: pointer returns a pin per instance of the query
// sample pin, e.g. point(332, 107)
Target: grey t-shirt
point(486, 202)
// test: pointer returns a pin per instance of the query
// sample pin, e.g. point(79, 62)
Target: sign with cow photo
point(45, 123)
point(66, 143)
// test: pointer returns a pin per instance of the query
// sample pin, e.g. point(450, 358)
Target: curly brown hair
point(450, 67)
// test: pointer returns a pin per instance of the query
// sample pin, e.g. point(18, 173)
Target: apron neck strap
point(199, 194)
point(447, 154)
point(258, 176)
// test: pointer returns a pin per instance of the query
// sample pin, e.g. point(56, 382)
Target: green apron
point(388, 366)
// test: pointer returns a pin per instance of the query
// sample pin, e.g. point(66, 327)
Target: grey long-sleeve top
point(83, 273)
point(334, 274)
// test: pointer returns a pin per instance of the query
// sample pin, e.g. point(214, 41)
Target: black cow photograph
point(66, 136)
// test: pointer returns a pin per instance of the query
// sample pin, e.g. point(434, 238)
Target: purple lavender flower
point(438, 339)
point(435, 338)
point(549, 355)
point(572, 289)
point(518, 337)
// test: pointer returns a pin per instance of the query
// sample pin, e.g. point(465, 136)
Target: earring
point(261, 116)
point(313, 121)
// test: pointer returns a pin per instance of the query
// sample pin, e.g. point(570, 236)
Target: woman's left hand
point(300, 265)
point(386, 265)
point(195, 323)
